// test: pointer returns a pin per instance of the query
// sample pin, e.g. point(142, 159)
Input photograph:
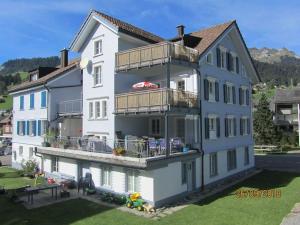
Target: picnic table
point(31, 190)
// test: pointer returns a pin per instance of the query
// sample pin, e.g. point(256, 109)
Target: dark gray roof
point(287, 95)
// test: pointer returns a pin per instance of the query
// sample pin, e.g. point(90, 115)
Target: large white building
point(191, 130)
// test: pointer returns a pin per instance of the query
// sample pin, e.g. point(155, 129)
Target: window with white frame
point(213, 159)
point(229, 93)
point(155, 126)
point(97, 47)
point(243, 71)
point(243, 95)
point(209, 58)
point(97, 75)
point(246, 156)
point(132, 184)
point(181, 85)
point(244, 123)
point(223, 57)
point(91, 110)
point(230, 126)
point(21, 128)
point(54, 164)
point(20, 150)
point(104, 108)
point(97, 110)
point(211, 90)
point(32, 128)
point(212, 121)
point(30, 152)
point(106, 177)
point(44, 127)
point(231, 159)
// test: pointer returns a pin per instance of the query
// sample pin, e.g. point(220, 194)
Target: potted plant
point(118, 151)
point(62, 144)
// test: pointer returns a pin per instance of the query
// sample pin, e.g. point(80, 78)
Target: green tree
point(264, 129)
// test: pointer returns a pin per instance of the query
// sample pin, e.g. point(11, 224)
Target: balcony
point(157, 100)
point(70, 107)
point(155, 54)
point(286, 119)
point(132, 152)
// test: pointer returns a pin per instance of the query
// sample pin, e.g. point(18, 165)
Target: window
point(97, 47)
point(213, 159)
point(209, 58)
point(22, 102)
point(34, 77)
point(243, 71)
point(183, 173)
point(54, 164)
point(231, 159)
point(97, 109)
point(230, 127)
point(20, 150)
point(212, 127)
point(21, 128)
point(229, 93)
point(91, 110)
point(31, 105)
point(155, 126)
point(30, 152)
point(106, 177)
point(223, 58)
point(244, 96)
point(246, 156)
point(97, 75)
point(44, 127)
point(211, 90)
point(132, 181)
point(244, 126)
point(181, 85)
point(43, 99)
point(104, 109)
point(32, 128)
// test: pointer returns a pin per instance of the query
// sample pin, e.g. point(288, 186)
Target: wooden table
point(31, 190)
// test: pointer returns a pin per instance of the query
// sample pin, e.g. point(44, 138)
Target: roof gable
point(120, 25)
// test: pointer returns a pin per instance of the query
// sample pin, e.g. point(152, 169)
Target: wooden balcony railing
point(154, 100)
point(154, 54)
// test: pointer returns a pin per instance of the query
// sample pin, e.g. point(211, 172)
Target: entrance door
point(190, 175)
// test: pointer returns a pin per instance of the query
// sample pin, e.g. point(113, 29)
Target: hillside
point(277, 66)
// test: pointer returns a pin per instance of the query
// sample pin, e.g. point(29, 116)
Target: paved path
point(294, 217)
point(287, 162)
point(6, 160)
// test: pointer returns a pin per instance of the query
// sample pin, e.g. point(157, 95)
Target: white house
point(191, 130)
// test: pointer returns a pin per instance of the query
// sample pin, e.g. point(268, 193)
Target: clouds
point(37, 28)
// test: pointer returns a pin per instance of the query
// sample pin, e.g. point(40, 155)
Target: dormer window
point(34, 77)
point(98, 47)
point(209, 58)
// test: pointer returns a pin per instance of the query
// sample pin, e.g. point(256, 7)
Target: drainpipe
point(200, 130)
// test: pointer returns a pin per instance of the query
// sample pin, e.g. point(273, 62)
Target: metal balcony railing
point(70, 107)
point(154, 54)
point(154, 100)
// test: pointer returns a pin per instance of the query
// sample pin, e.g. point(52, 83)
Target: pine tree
point(263, 126)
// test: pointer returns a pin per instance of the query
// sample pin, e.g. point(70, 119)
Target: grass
point(23, 75)
point(224, 208)
point(10, 178)
point(7, 104)
point(268, 92)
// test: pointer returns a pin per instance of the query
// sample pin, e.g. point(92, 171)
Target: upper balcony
point(155, 54)
point(286, 119)
point(70, 107)
point(156, 100)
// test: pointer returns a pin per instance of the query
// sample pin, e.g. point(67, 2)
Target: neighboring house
point(286, 109)
point(6, 126)
point(192, 131)
point(41, 106)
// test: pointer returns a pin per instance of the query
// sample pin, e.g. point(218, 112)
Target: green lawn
point(224, 208)
point(10, 179)
point(7, 104)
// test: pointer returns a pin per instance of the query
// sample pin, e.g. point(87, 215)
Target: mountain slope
point(277, 66)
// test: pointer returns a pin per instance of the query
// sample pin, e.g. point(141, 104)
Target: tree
point(264, 129)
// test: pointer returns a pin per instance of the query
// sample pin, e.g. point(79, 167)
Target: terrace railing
point(154, 54)
point(154, 100)
point(70, 107)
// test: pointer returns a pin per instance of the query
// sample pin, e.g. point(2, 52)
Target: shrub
point(29, 167)
point(293, 139)
point(284, 140)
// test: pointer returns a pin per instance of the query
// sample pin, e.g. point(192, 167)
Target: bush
point(29, 167)
point(284, 140)
point(293, 139)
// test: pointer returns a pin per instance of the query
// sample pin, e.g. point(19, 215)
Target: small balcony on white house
point(69, 107)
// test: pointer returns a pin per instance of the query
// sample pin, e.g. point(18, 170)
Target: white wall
point(20, 159)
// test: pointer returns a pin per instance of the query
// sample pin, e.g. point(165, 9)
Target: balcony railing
point(137, 148)
point(154, 100)
point(154, 54)
point(286, 118)
point(70, 107)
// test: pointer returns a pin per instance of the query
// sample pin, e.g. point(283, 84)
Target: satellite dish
point(83, 63)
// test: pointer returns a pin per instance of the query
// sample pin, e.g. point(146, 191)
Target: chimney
point(63, 58)
point(180, 30)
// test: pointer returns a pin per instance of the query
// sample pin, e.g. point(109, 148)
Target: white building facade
point(193, 129)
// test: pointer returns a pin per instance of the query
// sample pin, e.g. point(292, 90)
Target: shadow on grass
point(265, 180)
point(61, 213)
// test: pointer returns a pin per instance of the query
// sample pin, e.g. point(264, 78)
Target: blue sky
point(32, 28)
